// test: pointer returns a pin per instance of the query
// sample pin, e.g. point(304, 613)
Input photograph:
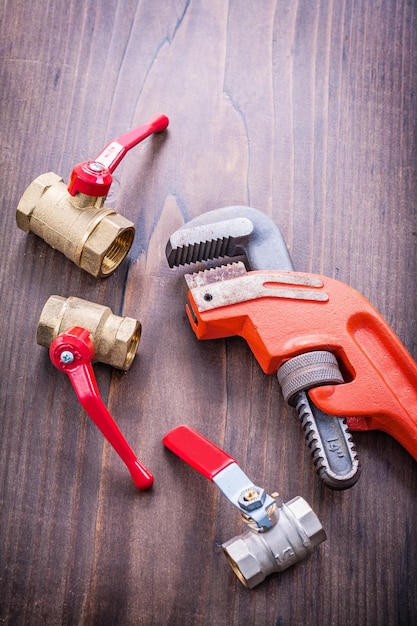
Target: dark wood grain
point(304, 110)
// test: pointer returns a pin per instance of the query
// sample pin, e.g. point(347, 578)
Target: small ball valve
point(115, 338)
point(72, 352)
point(74, 219)
point(279, 534)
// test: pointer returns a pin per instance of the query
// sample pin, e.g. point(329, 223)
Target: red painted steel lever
point(93, 178)
point(72, 352)
point(203, 455)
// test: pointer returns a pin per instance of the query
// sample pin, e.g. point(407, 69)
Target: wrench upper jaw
point(230, 232)
point(206, 242)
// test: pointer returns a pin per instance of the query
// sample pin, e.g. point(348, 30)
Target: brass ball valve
point(79, 333)
point(115, 338)
point(73, 219)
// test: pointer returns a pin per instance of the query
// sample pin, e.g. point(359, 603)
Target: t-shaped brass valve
point(74, 219)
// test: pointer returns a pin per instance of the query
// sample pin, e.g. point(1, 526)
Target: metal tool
point(73, 219)
point(72, 352)
point(285, 314)
point(278, 534)
point(243, 231)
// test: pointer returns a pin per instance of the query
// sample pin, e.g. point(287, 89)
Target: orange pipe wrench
point(284, 315)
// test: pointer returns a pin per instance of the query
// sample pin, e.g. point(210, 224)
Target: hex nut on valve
point(252, 498)
point(107, 246)
point(115, 338)
point(254, 555)
point(244, 562)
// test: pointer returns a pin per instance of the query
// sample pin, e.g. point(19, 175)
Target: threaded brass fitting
point(94, 237)
point(115, 338)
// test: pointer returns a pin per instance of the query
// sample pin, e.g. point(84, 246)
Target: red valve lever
point(203, 455)
point(219, 467)
point(72, 353)
point(93, 178)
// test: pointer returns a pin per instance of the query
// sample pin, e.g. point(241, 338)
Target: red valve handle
point(93, 178)
point(214, 463)
point(203, 455)
point(72, 353)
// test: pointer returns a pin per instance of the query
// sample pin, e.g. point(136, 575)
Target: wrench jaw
point(207, 242)
point(230, 232)
point(204, 278)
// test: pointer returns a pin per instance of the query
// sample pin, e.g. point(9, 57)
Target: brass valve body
point(94, 237)
point(115, 338)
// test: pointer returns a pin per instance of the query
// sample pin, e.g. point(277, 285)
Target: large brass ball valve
point(74, 219)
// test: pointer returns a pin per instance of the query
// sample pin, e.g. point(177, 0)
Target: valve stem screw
point(66, 357)
point(96, 167)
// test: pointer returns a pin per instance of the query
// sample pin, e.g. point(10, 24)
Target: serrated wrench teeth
point(215, 275)
point(191, 244)
point(230, 232)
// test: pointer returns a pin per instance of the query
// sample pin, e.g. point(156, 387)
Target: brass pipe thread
point(92, 236)
point(115, 338)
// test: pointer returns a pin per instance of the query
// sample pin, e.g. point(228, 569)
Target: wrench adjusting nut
point(308, 370)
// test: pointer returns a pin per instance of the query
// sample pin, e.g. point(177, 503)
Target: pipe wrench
point(337, 359)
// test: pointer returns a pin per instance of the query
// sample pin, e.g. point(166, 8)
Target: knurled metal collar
point(308, 370)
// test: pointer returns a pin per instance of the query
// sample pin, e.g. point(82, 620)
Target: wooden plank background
point(303, 109)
